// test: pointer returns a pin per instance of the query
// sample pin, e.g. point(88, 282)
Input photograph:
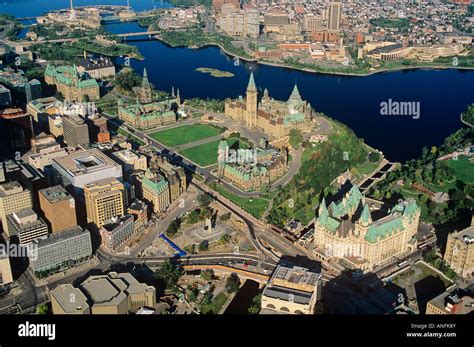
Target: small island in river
point(215, 72)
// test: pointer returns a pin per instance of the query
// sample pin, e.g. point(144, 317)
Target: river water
point(356, 101)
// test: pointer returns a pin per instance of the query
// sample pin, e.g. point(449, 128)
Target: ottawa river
point(442, 94)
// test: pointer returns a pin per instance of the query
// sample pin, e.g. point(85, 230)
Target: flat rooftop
point(63, 294)
point(55, 194)
point(466, 235)
point(86, 161)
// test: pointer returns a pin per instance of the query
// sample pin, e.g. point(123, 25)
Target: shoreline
point(348, 74)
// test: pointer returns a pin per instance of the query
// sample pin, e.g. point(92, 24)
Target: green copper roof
point(293, 118)
point(365, 218)
point(145, 82)
point(381, 231)
point(155, 185)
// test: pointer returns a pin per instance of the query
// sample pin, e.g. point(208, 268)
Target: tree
point(173, 227)
point(225, 217)
point(169, 273)
point(225, 239)
point(232, 284)
point(205, 200)
point(203, 246)
point(207, 275)
point(374, 157)
point(256, 304)
point(43, 309)
point(296, 138)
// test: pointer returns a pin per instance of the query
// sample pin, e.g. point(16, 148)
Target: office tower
point(58, 207)
point(33, 90)
point(130, 161)
point(82, 167)
point(5, 97)
point(334, 16)
point(76, 131)
point(27, 226)
point(17, 131)
point(61, 251)
point(13, 198)
point(104, 201)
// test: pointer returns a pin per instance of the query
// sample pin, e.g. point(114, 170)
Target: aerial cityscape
point(237, 157)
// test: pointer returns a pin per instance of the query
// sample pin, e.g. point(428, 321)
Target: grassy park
point(206, 154)
point(185, 134)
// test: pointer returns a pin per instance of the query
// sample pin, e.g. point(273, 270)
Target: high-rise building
point(27, 226)
point(240, 23)
point(5, 97)
point(58, 207)
point(75, 130)
point(82, 167)
point(460, 252)
point(104, 201)
point(13, 198)
point(334, 16)
point(61, 251)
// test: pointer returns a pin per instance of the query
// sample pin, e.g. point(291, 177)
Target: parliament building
point(275, 118)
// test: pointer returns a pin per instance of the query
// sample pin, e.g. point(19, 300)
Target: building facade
point(292, 290)
point(75, 131)
point(73, 85)
point(275, 118)
point(13, 198)
point(104, 201)
point(27, 226)
point(61, 251)
point(345, 230)
point(459, 252)
point(58, 207)
point(116, 232)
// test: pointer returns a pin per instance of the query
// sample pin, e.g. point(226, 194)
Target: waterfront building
point(459, 252)
point(13, 198)
point(114, 293)
point(104, 201)
point(251, 169)
point(75, 131)
point(455, 301)
point(275, 118)
point(98, 68)
point(334, 10)
point(73, 85)
point(27, 226)
point(313, 23)
point(6, 276)
point(61, 251)
point(148, 115)
point(82, 167)
point(292, 290)
point(58, 207)
point(356, 230)
point(115, 232)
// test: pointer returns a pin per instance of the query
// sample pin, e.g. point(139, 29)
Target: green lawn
point(463, 169)
point(186, 134)
point(206, 154)
point(215, 306)
point(255, 206)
